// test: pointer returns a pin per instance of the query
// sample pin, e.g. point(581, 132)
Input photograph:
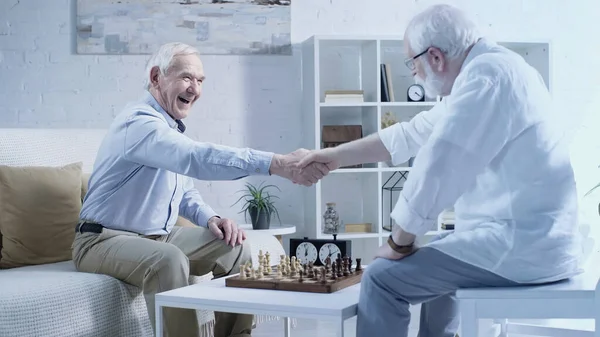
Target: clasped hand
point(304, 167)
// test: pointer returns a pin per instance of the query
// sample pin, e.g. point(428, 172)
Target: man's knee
point(244, 253)
point(373, 274)
point(169, 260)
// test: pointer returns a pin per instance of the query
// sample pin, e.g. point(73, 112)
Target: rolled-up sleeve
point(474, 128)
point(403, 140)
point(150, 141)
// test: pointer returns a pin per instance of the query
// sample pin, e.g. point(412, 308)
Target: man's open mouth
point(183, 100)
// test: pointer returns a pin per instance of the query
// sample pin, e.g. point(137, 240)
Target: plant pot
point(260, 219)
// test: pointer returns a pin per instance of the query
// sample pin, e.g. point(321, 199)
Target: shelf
point(350, 236)
point(348, 65)
point(348, 104)
point(407, 104)
point(376, 104)
point(356, 197)
point(352, 62)
point(392, 54)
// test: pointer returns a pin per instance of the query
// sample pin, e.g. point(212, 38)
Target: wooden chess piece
point(323, 276)
point(301, 279)
point(333, 271)
point(315, 273)
point(327, 264)
point(358, 266)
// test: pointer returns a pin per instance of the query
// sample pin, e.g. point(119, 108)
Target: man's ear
point(154, 76)
point(438, 60)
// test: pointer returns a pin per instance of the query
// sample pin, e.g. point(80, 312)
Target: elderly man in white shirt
point(492, 148)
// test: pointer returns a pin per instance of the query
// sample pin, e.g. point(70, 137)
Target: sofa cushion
point(39, 209)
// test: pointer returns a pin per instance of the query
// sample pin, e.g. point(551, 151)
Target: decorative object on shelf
point(387, 88)
point(344, 96)
point(331, 220)
point(392, 185)
point(366, 227)
point(259, 205)
point(388, 119)
point(334, 135)
point(316, 251)
point(415, 93)
point(447, 219)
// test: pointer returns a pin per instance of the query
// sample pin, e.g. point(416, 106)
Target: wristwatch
point(404, 249)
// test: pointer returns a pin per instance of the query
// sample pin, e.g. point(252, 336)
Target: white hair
point(163, 58)
point(444, 27)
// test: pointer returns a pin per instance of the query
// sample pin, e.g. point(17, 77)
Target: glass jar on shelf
point(331, 220)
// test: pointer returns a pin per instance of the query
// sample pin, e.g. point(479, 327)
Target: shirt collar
point(480, 47)
point(173, 123)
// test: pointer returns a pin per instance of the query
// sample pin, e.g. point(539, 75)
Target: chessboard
point(291, 275)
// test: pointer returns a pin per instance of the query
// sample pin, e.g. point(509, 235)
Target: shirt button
point(257, 170)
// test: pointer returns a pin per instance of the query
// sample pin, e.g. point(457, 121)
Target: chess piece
point(328, 264)
point(323, 276)
point(346, 267)
point(358, 266)
point(279, 274)
point(301, 279)
point(315, 273)
point(260, 272)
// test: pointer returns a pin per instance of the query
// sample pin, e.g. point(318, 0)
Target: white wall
point(45, 84)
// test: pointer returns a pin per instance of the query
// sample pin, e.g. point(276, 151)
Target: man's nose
point(194, 88)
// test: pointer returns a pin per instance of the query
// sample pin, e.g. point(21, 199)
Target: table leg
point(159, 320)
point(340, 332)
point(468, 319)
point(287, 327)
point(280, 238)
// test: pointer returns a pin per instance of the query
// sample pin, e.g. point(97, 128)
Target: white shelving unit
point(353, 63)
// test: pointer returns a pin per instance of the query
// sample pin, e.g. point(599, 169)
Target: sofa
point(43, 178)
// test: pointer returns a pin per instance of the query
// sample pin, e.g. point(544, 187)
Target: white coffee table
point(275, 230)
point(215, 296)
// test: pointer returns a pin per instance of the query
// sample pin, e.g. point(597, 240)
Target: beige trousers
point(157, 264)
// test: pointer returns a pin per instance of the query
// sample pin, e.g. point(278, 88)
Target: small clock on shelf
point(415, 93)
point(318, 250)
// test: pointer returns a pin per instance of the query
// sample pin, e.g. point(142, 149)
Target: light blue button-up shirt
point(142, 176)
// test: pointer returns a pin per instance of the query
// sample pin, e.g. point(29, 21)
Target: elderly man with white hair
point(142, 182)
point(492, 148)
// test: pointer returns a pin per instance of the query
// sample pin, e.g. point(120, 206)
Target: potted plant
point(258, 203)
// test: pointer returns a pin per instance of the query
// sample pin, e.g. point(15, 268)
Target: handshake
point(305, 167)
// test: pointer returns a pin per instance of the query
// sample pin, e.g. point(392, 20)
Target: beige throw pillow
point(39, 209)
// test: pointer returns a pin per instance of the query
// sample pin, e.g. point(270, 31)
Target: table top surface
point(214, 293)
point(273, 229)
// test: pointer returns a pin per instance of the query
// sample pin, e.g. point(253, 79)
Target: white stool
point(578, 298)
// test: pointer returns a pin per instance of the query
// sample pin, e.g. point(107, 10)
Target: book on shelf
point(447, 219)
point(344, 96)
point(387, 87)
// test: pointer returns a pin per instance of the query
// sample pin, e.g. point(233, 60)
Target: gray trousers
point(428, 277)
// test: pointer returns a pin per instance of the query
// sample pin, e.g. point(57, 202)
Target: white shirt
point(495, 150)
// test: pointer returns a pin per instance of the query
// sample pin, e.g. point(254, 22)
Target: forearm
point(369, 149)
point(401, 237)
point(149, 141)
point(193, 207)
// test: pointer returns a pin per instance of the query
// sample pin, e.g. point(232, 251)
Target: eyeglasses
point(410, 62)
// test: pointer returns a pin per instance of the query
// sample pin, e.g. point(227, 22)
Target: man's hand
point(327, 157)
point(386, 252)
point(286, 166)
point(226, 229)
